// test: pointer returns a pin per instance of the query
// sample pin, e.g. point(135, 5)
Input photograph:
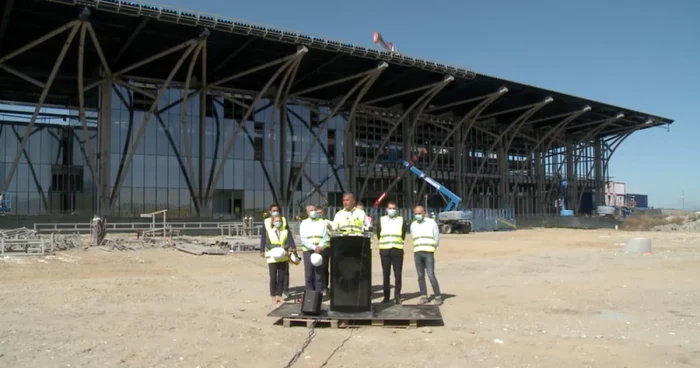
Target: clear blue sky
point(642, 55)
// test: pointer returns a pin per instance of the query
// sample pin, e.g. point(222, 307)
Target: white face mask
point(391, 212)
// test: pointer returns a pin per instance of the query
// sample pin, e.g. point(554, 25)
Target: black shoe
point(386, 301)
point(397, 300)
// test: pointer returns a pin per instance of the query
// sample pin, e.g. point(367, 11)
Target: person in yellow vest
point(349, 220)
point(426, 240)
point(275, 211)
point(270, 241)
point(313, 232)
point(391, 232)
point(326, 253)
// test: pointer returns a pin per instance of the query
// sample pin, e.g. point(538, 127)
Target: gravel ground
point(531, 298)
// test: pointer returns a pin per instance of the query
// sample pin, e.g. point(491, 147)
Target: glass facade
point(52, 175)
point(159, 176)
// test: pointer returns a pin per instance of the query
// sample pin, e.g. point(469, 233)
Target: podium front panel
point(351, 274)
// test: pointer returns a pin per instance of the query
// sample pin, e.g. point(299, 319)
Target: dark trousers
point(312, 275)
point(326, 253)
point(392, 258)
point(278, 277)
point(425, 261)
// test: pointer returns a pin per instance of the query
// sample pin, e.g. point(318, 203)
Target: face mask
point(391, 212)
point(318, 215)
point(278, 224)
point(418, 217)
point(312, 215)
point(275, 213)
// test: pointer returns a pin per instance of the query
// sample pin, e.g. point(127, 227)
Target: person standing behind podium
point(349, 220)
point(426, 240)
point(271, 238)
point(391, 231)
point(275, 211)
point(314, 236)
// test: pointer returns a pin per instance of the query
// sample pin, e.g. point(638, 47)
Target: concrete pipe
point(637, 245)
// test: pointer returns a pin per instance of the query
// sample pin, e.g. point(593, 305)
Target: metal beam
point(432, 90)
point(287, 60)
point(81, 109)
point(44, 93)
point(366, 82)
point(126, 160)
point(183, 115)
point(282, 92)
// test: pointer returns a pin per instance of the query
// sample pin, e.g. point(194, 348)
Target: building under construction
point(122, 108)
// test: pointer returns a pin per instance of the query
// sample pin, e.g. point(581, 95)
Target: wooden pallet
point(347, 323)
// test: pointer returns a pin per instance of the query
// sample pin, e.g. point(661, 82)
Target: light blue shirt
point(308, 227)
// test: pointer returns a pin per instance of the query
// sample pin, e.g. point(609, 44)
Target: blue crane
point(452, 218)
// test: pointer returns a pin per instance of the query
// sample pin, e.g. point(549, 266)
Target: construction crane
point(452, 218)
point(391, 186)
point(388, 46)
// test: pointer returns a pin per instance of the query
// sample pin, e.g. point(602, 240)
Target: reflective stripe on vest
point(317, 232)
point(391, 232)
point(268, 224)
point(350, 224)
point(423, 237)
point(273, 241)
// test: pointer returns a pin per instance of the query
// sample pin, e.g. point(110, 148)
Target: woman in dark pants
point(272, 238)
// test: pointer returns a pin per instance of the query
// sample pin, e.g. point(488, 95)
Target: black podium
point(351, 274)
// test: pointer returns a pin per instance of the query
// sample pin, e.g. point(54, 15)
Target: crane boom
point(455, 200)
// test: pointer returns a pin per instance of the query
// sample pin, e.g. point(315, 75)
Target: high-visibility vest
point(348, 223)
point(423, 237)
point(391, 228)
point(269, 225)
point(274, 241)
point(318, 228)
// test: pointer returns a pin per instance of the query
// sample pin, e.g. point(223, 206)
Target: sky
point(641, 55)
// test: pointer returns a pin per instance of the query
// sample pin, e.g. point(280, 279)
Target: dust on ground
point(531, 298)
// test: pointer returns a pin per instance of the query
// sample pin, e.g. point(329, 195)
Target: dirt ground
point(531, 298)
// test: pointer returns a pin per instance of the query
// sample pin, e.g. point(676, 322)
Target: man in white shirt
point(426, 240)
point(314, 238)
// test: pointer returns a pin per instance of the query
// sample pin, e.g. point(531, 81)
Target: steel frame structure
point(502, 152)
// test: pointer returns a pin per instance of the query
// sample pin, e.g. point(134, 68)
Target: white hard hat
point(277, 253)
point(316, 259)
point(294, 259)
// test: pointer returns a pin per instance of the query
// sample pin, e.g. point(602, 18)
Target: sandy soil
point(532, 298)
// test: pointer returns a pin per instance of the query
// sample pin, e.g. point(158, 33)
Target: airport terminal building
point(121, 108)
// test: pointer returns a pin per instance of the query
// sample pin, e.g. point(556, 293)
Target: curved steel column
point(470, 117)
point(423, 101)
point(288, 60)
point(517, 123)
point(367, 81)
point(554, 133)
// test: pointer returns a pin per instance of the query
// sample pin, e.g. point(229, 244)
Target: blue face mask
point(274, 213)
point(313, 215)
point(391, 212)
point(418, 217)
point(278, 224)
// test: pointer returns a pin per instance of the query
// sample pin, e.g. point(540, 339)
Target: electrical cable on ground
point(337, 348)
point(312, 334)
